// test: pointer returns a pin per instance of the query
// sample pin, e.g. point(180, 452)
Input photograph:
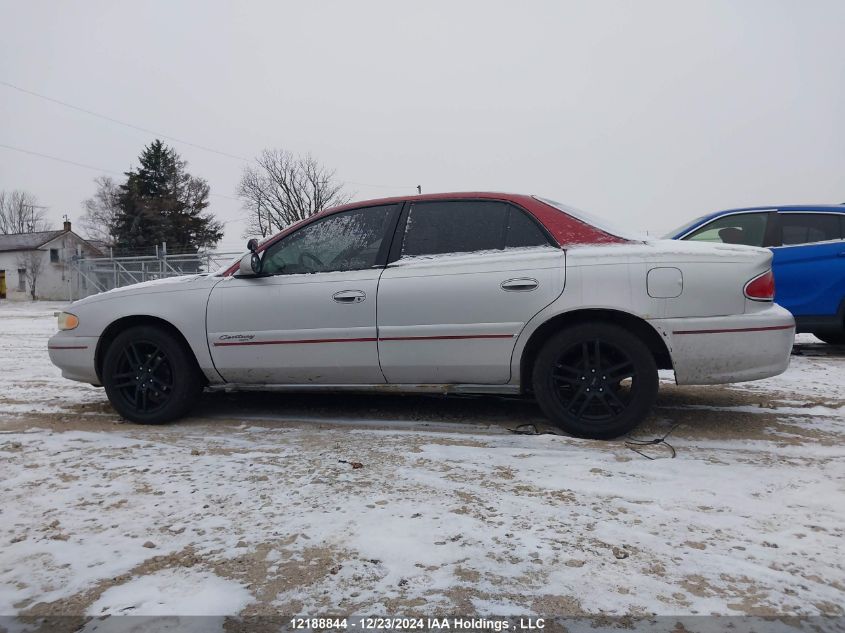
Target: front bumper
point(74, 355)
point(723, 349)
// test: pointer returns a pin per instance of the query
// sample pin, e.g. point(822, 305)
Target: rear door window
point(806, 228)
point(737, 228)
point(468, 226)
point(523, 231)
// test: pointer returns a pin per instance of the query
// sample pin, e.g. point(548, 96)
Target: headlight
point(67, 321)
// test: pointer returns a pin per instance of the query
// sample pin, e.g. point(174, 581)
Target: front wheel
point(149, 376)
point(595, 381)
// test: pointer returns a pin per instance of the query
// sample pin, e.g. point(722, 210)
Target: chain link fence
point(98, 274)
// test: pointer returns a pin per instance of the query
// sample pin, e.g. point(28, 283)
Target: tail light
point(761, 288)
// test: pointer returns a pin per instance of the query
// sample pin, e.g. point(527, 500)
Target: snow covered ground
point(246, 508)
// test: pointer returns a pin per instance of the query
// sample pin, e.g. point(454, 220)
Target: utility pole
point(419, 189)
point(32, 208)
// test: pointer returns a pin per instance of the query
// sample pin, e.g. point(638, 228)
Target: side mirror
point(250, 265)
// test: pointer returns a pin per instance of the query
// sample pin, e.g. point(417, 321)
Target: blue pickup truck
point(809, 257)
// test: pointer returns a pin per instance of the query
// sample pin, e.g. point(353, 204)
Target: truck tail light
point(761, 288)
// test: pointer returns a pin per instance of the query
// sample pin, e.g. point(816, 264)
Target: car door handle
point(524, 284)
point(842, 254)
point(349, 296)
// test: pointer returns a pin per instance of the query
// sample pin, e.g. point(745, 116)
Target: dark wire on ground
point(631, 443)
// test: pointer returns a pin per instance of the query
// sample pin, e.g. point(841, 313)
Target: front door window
point(350, 240)
point(737, 228)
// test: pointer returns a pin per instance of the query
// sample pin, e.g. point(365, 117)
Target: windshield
point(592, 220)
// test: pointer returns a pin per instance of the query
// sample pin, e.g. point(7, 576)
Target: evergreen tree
point(161, 202)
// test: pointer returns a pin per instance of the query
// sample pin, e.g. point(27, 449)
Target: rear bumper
point(74, 355)
point(736, 348)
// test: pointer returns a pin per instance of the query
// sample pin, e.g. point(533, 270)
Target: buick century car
point(451, 293)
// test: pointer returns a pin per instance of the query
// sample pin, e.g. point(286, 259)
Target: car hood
point(167, 284)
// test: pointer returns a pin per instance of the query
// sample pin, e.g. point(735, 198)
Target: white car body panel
point(454, 319)
point(757, 346)
point(616, 278)
point(179, 301)
point(272, 330)
point(711, 331)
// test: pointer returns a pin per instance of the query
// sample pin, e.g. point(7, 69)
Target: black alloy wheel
point(149, 376)
point(588, 376)
point(595, 381)
point(144, 377)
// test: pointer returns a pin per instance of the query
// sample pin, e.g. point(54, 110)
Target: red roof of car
point(566, 229)
point(457, 195)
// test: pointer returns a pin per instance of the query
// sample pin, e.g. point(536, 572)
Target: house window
point(21, 279)
point(54, 255)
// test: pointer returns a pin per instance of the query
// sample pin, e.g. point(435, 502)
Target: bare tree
point(20, 213)
point(281, 188)
point(101, 211)
point(31, 262)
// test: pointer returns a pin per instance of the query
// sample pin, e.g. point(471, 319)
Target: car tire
point(150, 376)
point(595, 381)
point(831, 338)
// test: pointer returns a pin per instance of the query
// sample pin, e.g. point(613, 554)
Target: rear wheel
point(595, 381)
point(831, 338)
point(149, 376)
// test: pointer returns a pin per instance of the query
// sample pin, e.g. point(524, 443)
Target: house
point(49, 257)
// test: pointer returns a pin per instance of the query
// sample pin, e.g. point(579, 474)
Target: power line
point(365, 184)
point(60, 160)
point(100, 169)
point(123, 123)
point(165, 136)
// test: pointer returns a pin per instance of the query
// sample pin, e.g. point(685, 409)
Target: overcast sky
point(648, 113)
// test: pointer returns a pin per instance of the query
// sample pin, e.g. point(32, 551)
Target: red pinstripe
point(742, 329)
point(296, 342)
point(363, 340)
point(443, 338)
